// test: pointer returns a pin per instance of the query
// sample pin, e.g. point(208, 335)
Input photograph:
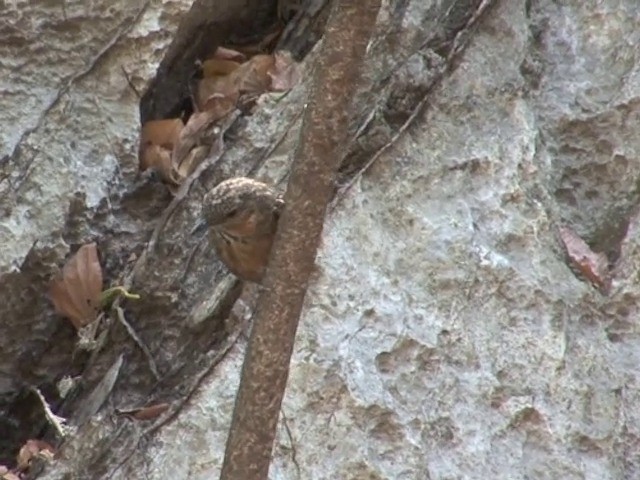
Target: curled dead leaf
point(594, 266)
point(196, 132)
point(260, 74)
point(220, 105)
point(191, 162)
point(216, 87)
point(75, 291)
point(218, 67)
point(161, 132)
point(253, 76)
point(223, 53)
point(157, 140)
point(147, 412)
point(31, 449)
point(159, 158)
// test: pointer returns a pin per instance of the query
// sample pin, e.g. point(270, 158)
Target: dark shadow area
point(208, 25)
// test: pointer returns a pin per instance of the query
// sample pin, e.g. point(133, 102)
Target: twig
point(215, 360)
point(278, 142)
point(131, 85)
point(132, 333)
point(294, 458)
point(131, 451)
point(403, 128)
point(460, 44)
point(179, 405)
point(28, 168)
point(192, 254)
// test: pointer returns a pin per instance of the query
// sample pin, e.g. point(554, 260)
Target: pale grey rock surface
point(444, 336)
point(69, 106)
point(68, 150)
point(68, 157)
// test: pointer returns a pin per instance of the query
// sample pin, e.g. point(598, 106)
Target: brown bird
point(242, 217)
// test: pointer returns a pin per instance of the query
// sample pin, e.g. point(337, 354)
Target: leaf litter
point(230, 80)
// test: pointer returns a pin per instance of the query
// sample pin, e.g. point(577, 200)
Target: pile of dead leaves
point(31, 450)
point(76, 290)
point(230, 80)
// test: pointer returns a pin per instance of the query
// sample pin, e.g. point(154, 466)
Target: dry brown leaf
point(75, 291)
point(159, 158)
point(218, 67)
point(6, 474)
point(147, 412)
point(157, 140)
point(215, 87)
point(220, 105)
point(161, 132)
point(594, 266)
point(253, 76)
point(285, 74)
point(191, 162)
point(193, 134)
point(151, 411)
point(30, 449)
point(223, 53)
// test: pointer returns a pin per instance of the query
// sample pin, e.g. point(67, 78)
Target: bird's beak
point(200, 227)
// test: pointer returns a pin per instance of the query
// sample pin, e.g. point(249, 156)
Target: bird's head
point(241, 207)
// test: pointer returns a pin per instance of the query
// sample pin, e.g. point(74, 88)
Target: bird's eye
point(231, 214)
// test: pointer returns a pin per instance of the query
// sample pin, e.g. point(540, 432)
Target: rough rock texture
point(67, 165)
point(444, 335)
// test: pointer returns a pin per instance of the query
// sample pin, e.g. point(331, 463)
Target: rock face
point(67, 166)
point(444, 335)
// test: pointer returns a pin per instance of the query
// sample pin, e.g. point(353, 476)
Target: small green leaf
point(109, 295)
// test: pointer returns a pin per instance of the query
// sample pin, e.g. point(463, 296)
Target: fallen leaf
point(223, 53)
point(249, 80)
point(195, 133)
point(594, 266)
point(285, 74)
point(217, 87)
point(147, 412)
point(218, 67)
point(159, 158)
point(191, 162)
point(253, 75)
point(33, 448)
point(75, 291)
point(220, 105)
point(161, 132)
point(157, 139)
